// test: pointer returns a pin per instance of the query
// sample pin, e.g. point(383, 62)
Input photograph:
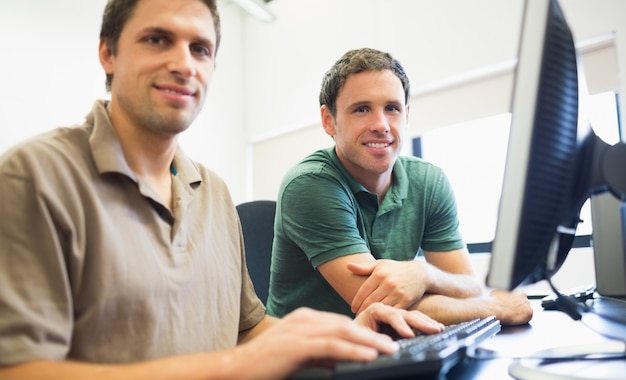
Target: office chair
point(257, 223)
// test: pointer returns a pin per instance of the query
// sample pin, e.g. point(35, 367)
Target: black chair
point(257, 223)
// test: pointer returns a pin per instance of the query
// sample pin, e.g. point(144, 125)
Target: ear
point(408, 108)
point(106, 57)
point(328, 121)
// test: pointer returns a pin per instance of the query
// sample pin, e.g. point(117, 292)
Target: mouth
point(377, 145)
point(178, 91)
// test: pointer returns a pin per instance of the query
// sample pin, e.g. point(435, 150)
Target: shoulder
point(316, 166)
point(60, 147)
point(421, 177)
point(320, 161)
point(316, 181)
point(416, 167)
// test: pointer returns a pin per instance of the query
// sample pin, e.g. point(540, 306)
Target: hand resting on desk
point(510, 307)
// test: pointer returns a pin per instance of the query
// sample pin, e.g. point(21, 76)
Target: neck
point(377, 184)
point(148, 154)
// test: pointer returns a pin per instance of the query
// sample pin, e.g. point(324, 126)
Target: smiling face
point(369, 125)
point(164, 61)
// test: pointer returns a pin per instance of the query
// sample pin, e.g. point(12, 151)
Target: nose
point(182, 62)
point(380, 123)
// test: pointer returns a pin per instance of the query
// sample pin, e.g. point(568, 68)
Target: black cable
point(566, 304)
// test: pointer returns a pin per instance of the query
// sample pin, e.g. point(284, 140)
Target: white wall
point(51, 76)
point(50, 70)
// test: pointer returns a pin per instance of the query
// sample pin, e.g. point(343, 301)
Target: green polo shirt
point(323, 213)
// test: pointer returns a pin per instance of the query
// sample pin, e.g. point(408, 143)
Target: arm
point(453, 298)
point(197, 366)
point(361, 280)
point(274, 348)
point(308, 336)
point(247, 335)
point(511, 308)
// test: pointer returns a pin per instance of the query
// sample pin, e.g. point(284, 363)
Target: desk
point(547, 329)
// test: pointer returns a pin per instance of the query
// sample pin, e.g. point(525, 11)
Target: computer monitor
point(554, 162)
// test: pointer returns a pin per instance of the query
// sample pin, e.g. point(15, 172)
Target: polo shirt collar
point(109, 157)
point(355, 186)
point(186, 169)
point(398, 190)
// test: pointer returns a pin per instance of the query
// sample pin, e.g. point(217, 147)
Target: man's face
point(164, 61)
point(370, 123)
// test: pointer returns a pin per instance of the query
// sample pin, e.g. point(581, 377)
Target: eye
point(155, 40)
point(360, 109)
point(392, 108)
point(201, 50)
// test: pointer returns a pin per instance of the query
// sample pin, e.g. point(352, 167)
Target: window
point(473, 154)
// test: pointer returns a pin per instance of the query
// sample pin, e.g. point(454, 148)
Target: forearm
point(215, 365)
point(511, 308)
point(449, 310)
point(247, 335)
point(452, 284)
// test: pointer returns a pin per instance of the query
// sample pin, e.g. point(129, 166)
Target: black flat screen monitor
point(554, 160)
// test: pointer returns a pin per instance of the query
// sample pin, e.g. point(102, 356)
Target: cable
point(566, 305)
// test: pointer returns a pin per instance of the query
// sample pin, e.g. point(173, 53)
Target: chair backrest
point(257, 223)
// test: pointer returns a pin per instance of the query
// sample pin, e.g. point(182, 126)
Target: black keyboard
point(424, 354)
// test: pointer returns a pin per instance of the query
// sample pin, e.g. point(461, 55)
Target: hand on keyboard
point(423, 354)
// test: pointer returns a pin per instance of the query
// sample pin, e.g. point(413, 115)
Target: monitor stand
point(607, 317)
point(608, 218)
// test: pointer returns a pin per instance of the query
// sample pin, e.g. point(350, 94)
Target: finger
point(394, 318)
point(362, 269)
point(366, 335)
point(338, 349)
point(422, 322)
point(405, 323)
point(331, 327)
point(365, 304)
point(378, 296)
point(365, 290)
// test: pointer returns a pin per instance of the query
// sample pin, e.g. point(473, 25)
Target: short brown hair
point(354, 62)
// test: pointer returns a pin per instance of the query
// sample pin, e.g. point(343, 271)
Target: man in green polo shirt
point(352, 218)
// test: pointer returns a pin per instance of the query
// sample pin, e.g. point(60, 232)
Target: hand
point(307, 336)
point(512, 308)
point(401, 321)
point(395, 283)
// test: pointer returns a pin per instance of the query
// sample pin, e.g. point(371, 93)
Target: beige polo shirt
point(93, 267)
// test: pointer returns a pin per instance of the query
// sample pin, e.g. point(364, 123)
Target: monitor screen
point(554, 160)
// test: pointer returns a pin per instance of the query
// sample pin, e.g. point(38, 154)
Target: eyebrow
point(170, 34)
point(360, 103)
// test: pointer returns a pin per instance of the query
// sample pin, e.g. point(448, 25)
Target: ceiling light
point(256, 9)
